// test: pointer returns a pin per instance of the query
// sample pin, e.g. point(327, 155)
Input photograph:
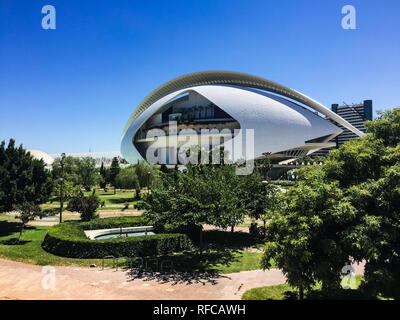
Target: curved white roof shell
point(278, 123)
point(239, 79)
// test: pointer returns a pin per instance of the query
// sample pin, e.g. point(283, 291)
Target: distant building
point(99, 157)
point(356, 115)
point(41, 155)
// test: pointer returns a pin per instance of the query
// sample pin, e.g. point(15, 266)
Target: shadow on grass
point(14, 241)
point(340, 294)
point(8, 228)
point(230, 240)
point(120, 200)
point(188, 268)
point(290, 295)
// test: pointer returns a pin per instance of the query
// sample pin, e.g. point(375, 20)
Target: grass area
point(247, 222)
point(214, 261)
point(7, 217)
point(231, 240)
point(120, 197)
point(277, 292)
point(243, 261)
point(108, 197)
point(29, 250)
point(116, 208)
point(286, 292)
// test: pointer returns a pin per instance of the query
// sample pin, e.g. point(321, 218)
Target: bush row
point(69, 240)
point(107, 223)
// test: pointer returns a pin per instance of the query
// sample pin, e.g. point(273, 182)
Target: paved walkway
point(26, 281)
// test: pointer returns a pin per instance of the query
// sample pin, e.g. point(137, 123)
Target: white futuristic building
point(41, 155)
point(213, 105)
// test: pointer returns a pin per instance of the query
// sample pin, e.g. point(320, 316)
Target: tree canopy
point(22, 178)
point(347, 209)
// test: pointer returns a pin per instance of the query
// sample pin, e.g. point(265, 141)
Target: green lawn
point(215, 261)
point(247, 222)
point(277, 292)
point(7, 217)
point(30, 251)
point(286, 292)
point(120, 197)
point(108, 197)
point(243, 261)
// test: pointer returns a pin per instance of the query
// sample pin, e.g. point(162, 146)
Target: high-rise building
point(356, 115)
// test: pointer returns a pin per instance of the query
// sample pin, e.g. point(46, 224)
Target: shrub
point(86, 206)
point(108, 223)
point(68, 239)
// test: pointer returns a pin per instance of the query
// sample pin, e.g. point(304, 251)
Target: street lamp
point(61, 197)
point(61, 185)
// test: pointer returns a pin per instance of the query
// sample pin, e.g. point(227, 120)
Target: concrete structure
point(40, 155)
point(93, 234)
point(286, 123)
point(104, 158)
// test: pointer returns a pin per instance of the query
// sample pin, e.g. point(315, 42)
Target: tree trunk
point(20, 232)
point(301, 293)
point(115, 190)
point(201, 240)
point(232, 228)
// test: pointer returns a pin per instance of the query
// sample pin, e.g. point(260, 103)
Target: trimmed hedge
point(68, 239)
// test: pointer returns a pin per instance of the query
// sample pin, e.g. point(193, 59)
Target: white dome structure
point(40, 155)
point(221, 106)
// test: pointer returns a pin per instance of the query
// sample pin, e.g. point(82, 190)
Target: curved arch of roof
point(239, 79)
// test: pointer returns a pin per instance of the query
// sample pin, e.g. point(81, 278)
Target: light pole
point(61, 198)
point(265, 183)
point(61, 185)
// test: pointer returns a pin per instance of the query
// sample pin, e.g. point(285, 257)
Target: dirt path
point(237, 229)
point(26, 281)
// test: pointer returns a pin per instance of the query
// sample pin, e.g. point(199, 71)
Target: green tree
point(260, 198)
point(26, 211)
point(227, 208)
point(145, 174)
point(355, 162)
point(113, 172)
point(67, 168)
point(22, 178)
point(201, 194)
point(69, 189)
point(87, 173)
point(362, 177)
point(386, 127)
point(305, 239)
point(85, 205)
point(127, 178)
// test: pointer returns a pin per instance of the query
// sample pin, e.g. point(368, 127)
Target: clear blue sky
point(74, 88)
